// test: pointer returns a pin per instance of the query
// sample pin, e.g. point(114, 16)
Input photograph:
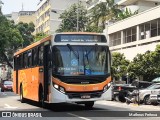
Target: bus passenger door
point(46, 70)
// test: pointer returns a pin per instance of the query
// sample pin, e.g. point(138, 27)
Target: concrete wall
point(140, 18)
point(130, 53)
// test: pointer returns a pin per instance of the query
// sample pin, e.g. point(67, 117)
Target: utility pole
point(78, 16)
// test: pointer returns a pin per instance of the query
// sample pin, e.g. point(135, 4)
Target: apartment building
point(137, 5)
point(48, 12)
point(136, 34)
point(92, 3)
point(13, 16)
point(26, 17)
point(22, 16)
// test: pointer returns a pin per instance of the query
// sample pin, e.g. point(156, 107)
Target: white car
point(154, 94)
point(146, 95)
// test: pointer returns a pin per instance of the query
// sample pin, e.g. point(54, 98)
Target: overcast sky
point(16, 5)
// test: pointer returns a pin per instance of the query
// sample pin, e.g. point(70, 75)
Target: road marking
point(10, 107)
point(78, 116)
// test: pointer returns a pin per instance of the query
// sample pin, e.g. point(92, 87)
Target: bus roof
point(33, 45)
point(49, 38)
point(89, 33)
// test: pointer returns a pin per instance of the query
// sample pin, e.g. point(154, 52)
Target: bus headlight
point(109, 84)
point(106, 87)
point(56, 86)
point(59, 88)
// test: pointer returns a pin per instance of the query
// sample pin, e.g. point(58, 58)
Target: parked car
point(141, 84)
point(154, 95)
point(120, 91)
point(145, 94)
point(158, 98)
point(6, 85)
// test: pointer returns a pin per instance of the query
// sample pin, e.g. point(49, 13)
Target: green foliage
point(102, 12)
point(69, 19)
point(125, 14)
point(119, 66)
point(39, 36)
point(94, 28)
point(146, 65)
point(10, 39)
point(26, 31)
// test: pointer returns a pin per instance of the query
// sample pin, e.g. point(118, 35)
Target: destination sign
point(80, 38)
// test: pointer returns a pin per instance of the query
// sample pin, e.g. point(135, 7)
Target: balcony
point(133, 8)
point(126, 2)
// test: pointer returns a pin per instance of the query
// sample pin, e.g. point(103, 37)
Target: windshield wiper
point(87, 53)
point(74, 52)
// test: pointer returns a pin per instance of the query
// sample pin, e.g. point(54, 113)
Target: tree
point(119, 65)
point(26, 31)
point(10, 40)
point(69, 19)
point(125, 14)
point(93, 28)
point(39, 36)
point(102, 12)
point(145, 65)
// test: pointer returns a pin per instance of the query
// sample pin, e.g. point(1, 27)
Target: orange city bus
point(71, 67)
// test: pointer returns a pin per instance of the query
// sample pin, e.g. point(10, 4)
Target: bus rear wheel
point(89, 105)
point(21, 95)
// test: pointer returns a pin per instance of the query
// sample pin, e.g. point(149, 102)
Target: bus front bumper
point(59, 97)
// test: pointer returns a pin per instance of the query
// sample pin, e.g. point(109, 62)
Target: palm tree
point(104, 11)
point(126, 13)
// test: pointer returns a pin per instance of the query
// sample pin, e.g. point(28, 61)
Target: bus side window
point(25, 60)
point(40, 55)
point(33, 59)
point(20, 61)
point(15, 62)
point(29, 58)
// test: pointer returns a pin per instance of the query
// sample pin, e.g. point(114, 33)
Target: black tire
point(116, 98)
point(21, 95)
point(89, 105)
point(154, 103)
point(41, 98)
point(2, 90)
point(147, 100)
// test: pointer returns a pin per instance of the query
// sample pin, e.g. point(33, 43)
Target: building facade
point(137, 5)
point(48, 12)
point(92, 3)
point(136, 34)
point(13, 16)
point(22, 16)
point(26, 17)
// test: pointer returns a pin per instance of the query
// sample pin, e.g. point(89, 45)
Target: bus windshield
point(81, 60)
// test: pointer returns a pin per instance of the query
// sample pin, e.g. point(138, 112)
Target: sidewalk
point(131, 106)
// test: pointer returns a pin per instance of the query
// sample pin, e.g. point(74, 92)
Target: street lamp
point(78, 16)
point(77, 27)
point(55, 11)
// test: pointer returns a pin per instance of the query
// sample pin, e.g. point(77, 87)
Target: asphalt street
point(111, 110)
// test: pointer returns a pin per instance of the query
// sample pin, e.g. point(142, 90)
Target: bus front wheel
point(89, 105)
point(41, 99)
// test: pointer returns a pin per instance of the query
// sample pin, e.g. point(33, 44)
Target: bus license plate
point(85, 96)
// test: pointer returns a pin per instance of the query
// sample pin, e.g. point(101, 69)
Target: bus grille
point(83, 79)
point(79, 95)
